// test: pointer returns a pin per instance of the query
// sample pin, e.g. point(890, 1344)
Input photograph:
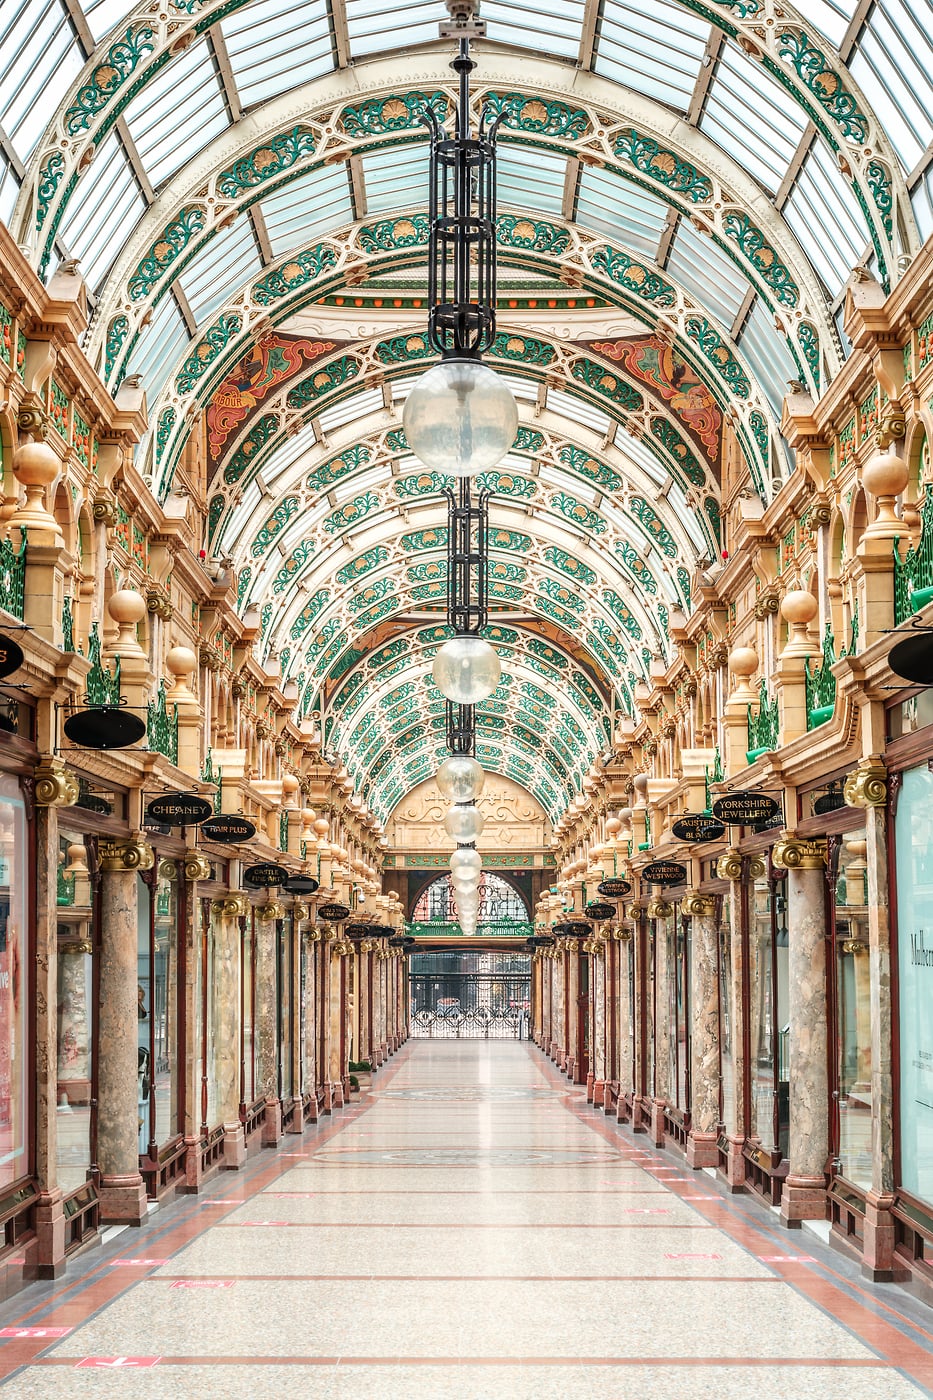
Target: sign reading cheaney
point(179, 809)
point(664, 872)
point(744, 808)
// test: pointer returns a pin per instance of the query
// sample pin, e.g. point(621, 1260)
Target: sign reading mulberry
point(745, 808)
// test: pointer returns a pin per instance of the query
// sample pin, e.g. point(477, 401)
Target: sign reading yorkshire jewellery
point(664, 872)
point(263, 877)
point(333, 913)
point(228, 829)
point(744, 808)
point(614, 888)
point(11, 656)
point(696, 826)
point(179, 809)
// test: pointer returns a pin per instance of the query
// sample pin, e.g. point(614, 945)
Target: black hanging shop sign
point(599, 912)
point(912, 659)
point(664, 872)
point(179, 809)
point(11, 656)
point(697, 827)
point(829, 802)
point(228, 829)
point(104, 727)
point(265, 876)
point(615, 888)
point(301, 884)
point(745, 808)
point(333, 913)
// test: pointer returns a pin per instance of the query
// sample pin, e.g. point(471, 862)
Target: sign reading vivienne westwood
point(179, 809)
point(913, 848)
point(664, 872)
point(744, 808)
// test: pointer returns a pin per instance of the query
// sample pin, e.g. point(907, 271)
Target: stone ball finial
point(799, 607)
point(35, 467)
point(640, 784)
point(35, 464)
point(613, 826)
point(322, 827)
point(180, 661)
point(127, 607)
point(885, 476)
point(290, 783)
point(743, 661)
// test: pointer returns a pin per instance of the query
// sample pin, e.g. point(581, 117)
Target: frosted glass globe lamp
point(466, 883)
point(464, 823)
point(466, 860)
point(460, 778)
point(466, 669)
point(460, 417)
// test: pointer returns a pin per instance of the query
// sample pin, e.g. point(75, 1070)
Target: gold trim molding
point(133, 854)
point(56, 785)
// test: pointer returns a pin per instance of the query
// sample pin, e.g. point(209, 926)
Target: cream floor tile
point(318, 1176)
point(487, 1208)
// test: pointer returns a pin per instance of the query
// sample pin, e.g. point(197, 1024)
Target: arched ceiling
point(683, 190)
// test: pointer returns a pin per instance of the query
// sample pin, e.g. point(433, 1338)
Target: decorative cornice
point(793, 853)
point(866, 785)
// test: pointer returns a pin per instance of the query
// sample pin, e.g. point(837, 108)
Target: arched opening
point(500, 904)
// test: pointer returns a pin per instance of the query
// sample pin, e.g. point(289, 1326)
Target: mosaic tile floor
point(471, 1230)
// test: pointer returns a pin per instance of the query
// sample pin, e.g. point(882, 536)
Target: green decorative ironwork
point(532, 235)
point(427, 572)
point(508, 484)
point(214, 511)
point(718, 354)
point(810, 345)
point(117, 332)
point(423, 484)
point(351, 512)
point(579, 513)
point(820, 685)
point(283, 831)
point(523, 349)
point(649, 519)
point(630, 556)
point(634, 276)
point(169, 246)
point(274, 525)
point(560, 593)
point(276, 155)
point(244, 578)
point(108, 77)
point(762, 257)
point(663, 167)
point(322, 381)
point(879, 182)
point(713, 777)
point(402, 348)
point(418, 540)
point(538, 116)
point(526, 440)
point(338, 467)
point(711, 508)
point(764, 727)
point(162, 727)
point(167, 420)
point(293, 566)
point(913, 577)
point(50, 177)
point(215, 340)
point(586, 465)
point(663, 429)
point(511, 540)
point(380, 588)
point(13, 575)
point(412, 231)
point(262, 431)
point(608, 385)
point(65, 886)
point(68, 626)
point(824, 83)
point(102, 686)
point(403, 111)
point(570, 565)
point(302, 268)
point(623, 612)
point(210, 774)
point(362, 564)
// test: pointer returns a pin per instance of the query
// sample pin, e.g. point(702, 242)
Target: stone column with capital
point(122, 1190)
point(596, 1075)
point(48, 1259)
point(731, 867)
point(226, 1008)
point(266, 1031)
point(804, 1193)
point(572, 1011)
point(309, 1012)
point(625, 1026)
point(702, 1142)
point(662, 913)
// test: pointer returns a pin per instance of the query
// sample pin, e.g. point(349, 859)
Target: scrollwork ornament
point(866, 785)
point(300, 912)
point(268, 913)
point(134, 854)
point(659, 909)
point(105, 509)
point(56, 785)
point(756, 867)
point(168, 870)
point(232, 906)
point(794, 853)
point(698, 906)
point(197, 867)
point(729, 865)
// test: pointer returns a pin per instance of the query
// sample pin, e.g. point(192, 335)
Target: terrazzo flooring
point(471, 1230)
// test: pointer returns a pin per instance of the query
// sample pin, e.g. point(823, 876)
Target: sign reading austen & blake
point(696, 826)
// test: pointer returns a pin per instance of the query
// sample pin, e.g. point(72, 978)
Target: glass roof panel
point(159, 347)
point(894, 66)
point(641, 453)
point(574, 408)
point(396, 179)
point(9, 189)
point(922, 200)
point(357, 406)
point(273, 46)
point(752, 117)
point(652, 46)
point(291, 450)
point(687, 515)
point(830, 17)
point(177, 112)
point(103, 15)
point(553, 26)
point(530, 180)
point(38, 58)
point(94, 227)
point(222, 266)
point(701, 266)
point(825, 215)
point(768, 355)
point(307, 208)
point(620, 211)
point(372, 25)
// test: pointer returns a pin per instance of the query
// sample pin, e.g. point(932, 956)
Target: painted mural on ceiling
point(657, 365)
point(270, 361)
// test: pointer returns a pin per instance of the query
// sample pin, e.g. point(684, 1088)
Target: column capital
point(131, 854)
point(698, 906)
point(793, 853)
point(232, 906)
point(197, 866)
point(729, 866)
point(56, 785)
point(267, 913)
point(866, 785)
point(659, 909)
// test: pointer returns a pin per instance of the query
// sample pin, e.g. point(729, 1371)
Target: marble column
point(266, 1030)
point(292, 1004)
point(804, 1194)
point(596, 1076)
point(191, 993)
point(625, 1021)
point(309, 1013)
point(702, 1141)
point(572, 1010)
point(226, 1035)
point(739, 873)
point(46, 1259)
point(662, 913)
point(122, 1190)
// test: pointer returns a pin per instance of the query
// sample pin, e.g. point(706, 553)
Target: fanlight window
point(497, 901)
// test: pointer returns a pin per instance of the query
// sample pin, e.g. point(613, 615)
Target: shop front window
point(163, 1011)
point(853, 1010)
point(75, 1012)
point(727, 1064)
point(14, 984)
point(680, 952)
point(769, 1023)
point(913, 837)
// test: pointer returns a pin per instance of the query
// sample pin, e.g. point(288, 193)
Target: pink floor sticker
point(204, 1283)
point(693, 1256)
point(635, 1211)
point(787, 1259)
point(136, 1263)
point(35, 1331)
point(119, 1362)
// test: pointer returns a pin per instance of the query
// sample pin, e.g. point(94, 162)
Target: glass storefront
point(680, 954)
point(769, 1020)
point(15, 984)
point(163, 1012)
point(913, 836)
point(727, 1062)
point(75, 1011)
point(853, 1010)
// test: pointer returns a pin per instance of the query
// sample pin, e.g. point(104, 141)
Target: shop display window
point(849, 887)
point(768, 1012)
point(726, 1056)
point(158, 1013)
point(913, 844)
point(14, 984)
point(76, 899)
